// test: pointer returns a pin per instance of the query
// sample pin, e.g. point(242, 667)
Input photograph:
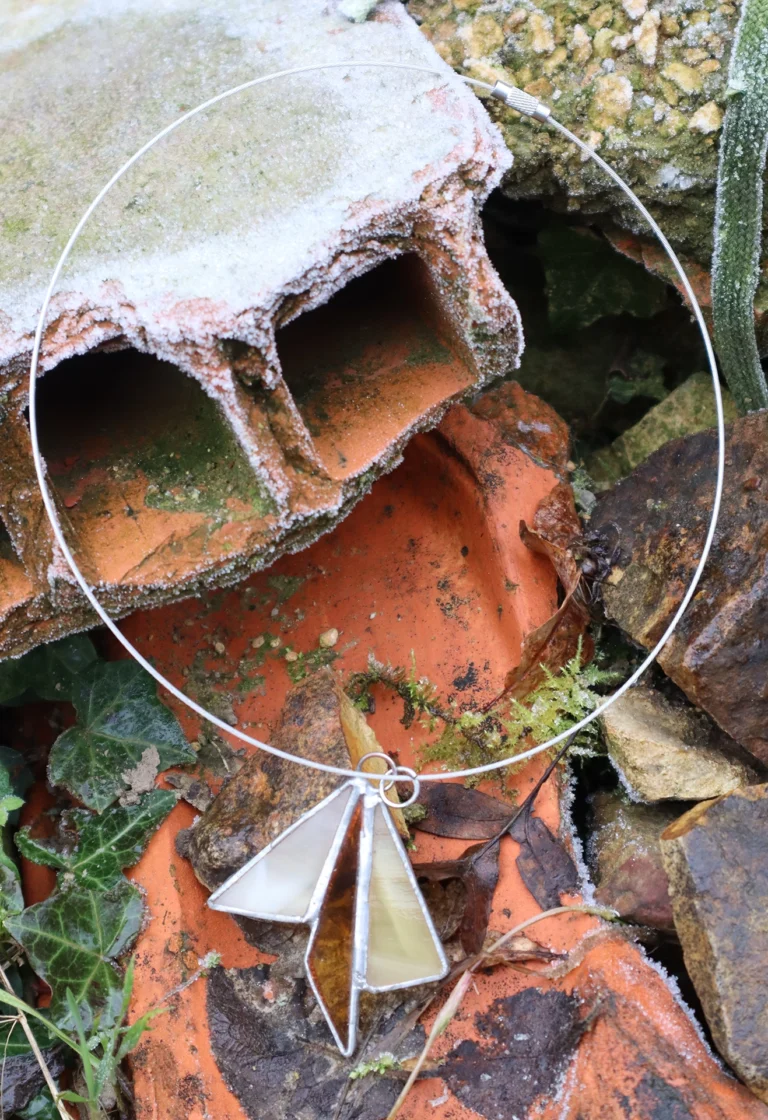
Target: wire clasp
point(524, 103)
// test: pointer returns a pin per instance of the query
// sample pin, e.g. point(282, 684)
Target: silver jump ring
point(391, 777)
point(403, 773)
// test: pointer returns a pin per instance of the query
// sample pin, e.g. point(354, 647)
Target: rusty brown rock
point(194, 427)
point(654, 523)
point(625, 859)
point(668, 751)
point(716, 857)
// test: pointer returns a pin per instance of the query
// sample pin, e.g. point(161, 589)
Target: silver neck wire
point(528, 106)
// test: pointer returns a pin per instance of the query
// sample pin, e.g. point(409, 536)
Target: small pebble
point(329, 638)
point(219, 647)
point(257, 643)
point(291, 655)
point(275, 643)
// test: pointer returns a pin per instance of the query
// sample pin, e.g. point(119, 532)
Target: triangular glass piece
point(403, 947)
point(279, 882)
point(330, 955)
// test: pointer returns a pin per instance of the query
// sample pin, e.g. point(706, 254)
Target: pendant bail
point(409, 775)
point(395, 774)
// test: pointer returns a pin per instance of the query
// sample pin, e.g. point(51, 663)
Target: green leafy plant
point(74, 939)
point(48, 672)
point(104, 844)
point(119, 719)
point(379, 1065)
point(14, 778)
point(100, 1049)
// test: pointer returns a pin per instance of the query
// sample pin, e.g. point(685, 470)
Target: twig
point(453, 1002)
point(527, 803)
point(209, 961)
point(52, 1088)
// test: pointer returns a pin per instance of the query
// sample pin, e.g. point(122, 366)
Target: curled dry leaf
point(478, 869)
point(545, 866)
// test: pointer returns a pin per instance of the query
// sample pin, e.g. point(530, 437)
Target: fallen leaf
point(105, 844)
point(72, 941)
point(479, 874)
point(519, 949)
point(279, 1061)
point(119, 718)
point(545, 866)
point(461, 813)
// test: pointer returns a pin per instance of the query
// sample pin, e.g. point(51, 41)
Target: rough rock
point(221, 435)
point(652, 524)
point(716, 857)
point(688, 409)
point(670, 752)
point(625, 859)
point(644, 83)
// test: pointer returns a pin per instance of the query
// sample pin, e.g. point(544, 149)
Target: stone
point(651, 525)
point(716, 857)
point(689, 408)
point(659, 146)
point(625, 858)
point(217, 432)
point(708, 118)
point(612, 100)
point(670, 752)
point(646, 37)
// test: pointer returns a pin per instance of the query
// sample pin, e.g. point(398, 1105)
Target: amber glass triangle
point(330, 957)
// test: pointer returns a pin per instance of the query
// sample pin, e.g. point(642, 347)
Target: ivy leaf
point(48, 672)
point(587, 279)
point(72, 941)
point(40, 1107)
point(106, 844)
point(15, 779)
point(119, 719)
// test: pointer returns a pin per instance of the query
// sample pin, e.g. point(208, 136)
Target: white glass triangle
point(279, 882)
point(402, 945)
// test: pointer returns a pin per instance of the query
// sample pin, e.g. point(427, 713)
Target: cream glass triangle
point(402, 946)
point(278, 883)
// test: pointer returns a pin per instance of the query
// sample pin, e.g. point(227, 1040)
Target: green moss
point(472, 738)
point(310, 662)
point(285, 586)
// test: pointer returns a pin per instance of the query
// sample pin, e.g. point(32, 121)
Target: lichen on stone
point(645, 81)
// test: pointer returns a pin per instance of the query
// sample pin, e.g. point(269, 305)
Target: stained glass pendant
point(342, 869)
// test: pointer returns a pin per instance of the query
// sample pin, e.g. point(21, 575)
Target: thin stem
point(527, 803)
point(454, 999)
point(22, 1015)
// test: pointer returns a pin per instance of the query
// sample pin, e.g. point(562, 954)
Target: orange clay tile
point(430, 563)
